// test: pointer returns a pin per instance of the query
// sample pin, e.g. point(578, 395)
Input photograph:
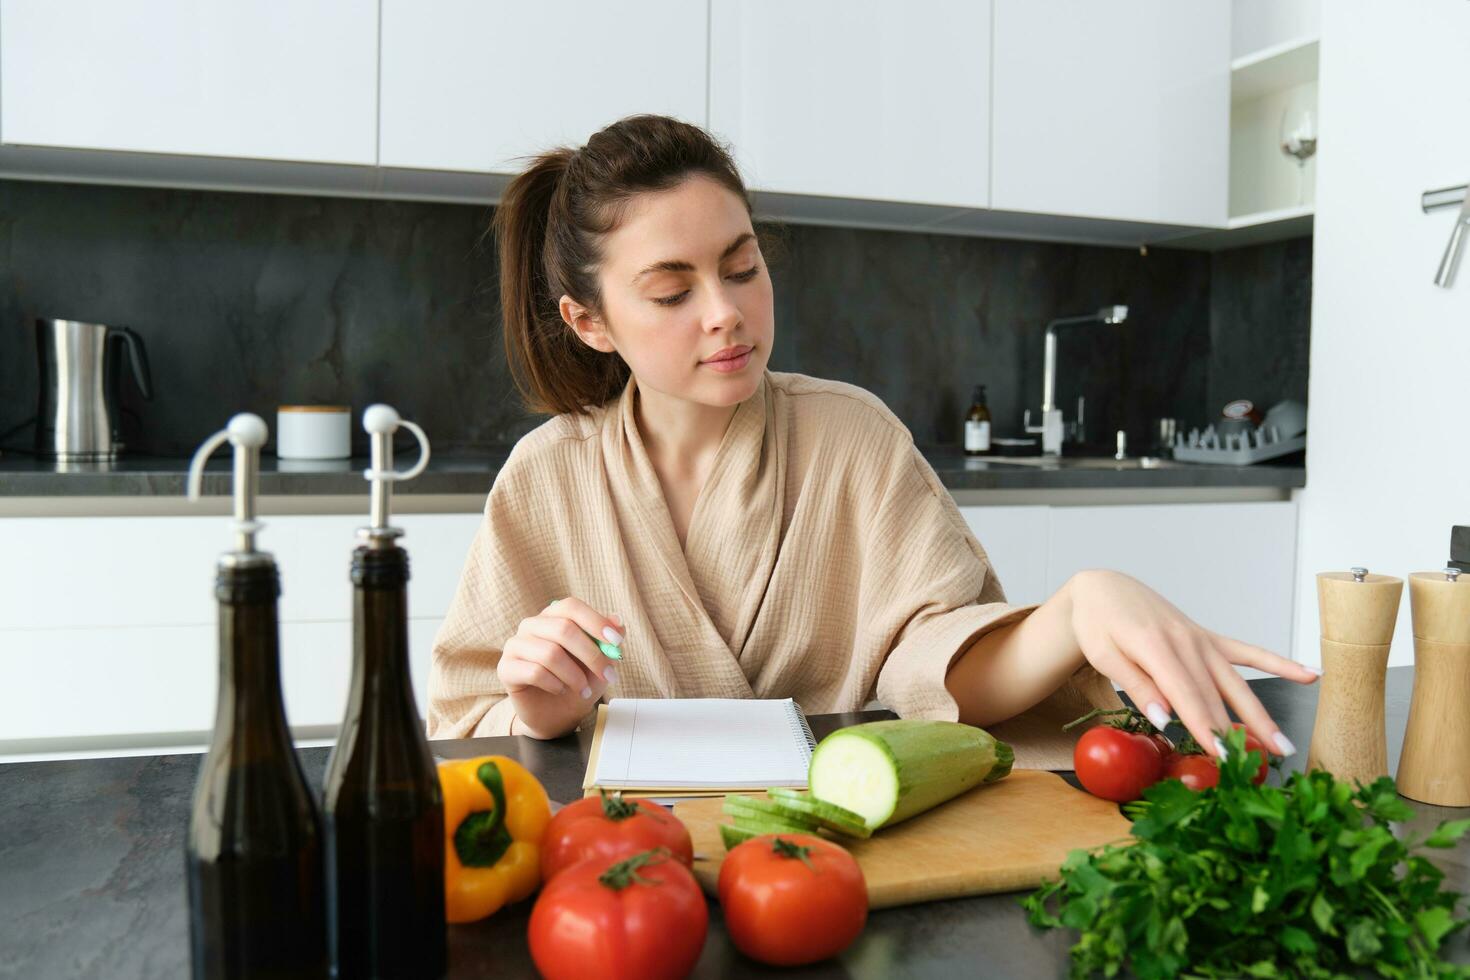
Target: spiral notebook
point(685, 747)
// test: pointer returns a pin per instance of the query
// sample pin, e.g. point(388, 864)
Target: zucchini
point(888, 771)
point(829, 815)
point(751, 816)
point(734, 836)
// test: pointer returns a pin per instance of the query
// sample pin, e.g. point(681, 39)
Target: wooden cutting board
point(998, 838)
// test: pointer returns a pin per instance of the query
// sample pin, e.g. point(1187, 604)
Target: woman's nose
point(721, 313)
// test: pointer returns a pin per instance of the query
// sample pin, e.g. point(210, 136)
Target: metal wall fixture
point(1437, 200)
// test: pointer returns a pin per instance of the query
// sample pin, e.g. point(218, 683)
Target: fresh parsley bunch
point(1300, 880)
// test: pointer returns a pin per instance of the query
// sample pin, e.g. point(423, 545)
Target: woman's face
point(684, 286)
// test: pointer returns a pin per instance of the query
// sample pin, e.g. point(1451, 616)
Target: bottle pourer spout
point(247, 433)
point(380, 422)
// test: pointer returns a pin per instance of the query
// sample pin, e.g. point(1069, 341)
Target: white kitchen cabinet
point(474, 84)
point(108, 628)
point(1114, 110)
point(1014, 539)
point(1230, 567)
point(855, 98)
point(277, 81)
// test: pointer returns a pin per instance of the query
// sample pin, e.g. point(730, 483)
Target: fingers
point(567, 637)
point(1195, 653)
point(1140, 688)
point(1166, 662)
point(534, 652)
point(1257, 720)
point(599, 627)
point(1248, 655)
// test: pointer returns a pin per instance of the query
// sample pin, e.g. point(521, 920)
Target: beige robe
point(824, 562)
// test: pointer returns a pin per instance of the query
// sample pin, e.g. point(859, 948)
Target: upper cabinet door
point(475, 84)
point(1113, 110)
point(278, 81)
point(855, 98)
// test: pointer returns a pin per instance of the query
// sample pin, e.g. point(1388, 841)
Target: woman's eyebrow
point(679, 265)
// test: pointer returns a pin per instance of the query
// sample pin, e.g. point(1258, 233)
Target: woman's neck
point(681, 437)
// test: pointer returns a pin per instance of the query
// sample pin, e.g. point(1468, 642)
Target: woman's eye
point(675, 299)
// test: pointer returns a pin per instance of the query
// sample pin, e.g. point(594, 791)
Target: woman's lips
point(728, 364)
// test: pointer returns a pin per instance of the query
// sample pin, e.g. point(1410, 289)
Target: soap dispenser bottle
point(256, 877)
point(1434, 766)
point(1358, 612)
point(384, 807)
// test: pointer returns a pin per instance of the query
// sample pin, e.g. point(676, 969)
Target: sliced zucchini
point(829, 815)
point(735, 836)
point(749, 816)
point(779, 809)
point(888, 771)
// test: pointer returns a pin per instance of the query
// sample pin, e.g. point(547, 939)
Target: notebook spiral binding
point(800, 728)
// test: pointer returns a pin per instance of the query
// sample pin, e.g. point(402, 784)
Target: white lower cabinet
point(1014, 539)
point(109, 630)
point(1229, 566)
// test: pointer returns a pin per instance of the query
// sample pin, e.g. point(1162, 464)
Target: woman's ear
point(592, 330)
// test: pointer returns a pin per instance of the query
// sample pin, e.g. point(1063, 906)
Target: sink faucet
point(1053, 428)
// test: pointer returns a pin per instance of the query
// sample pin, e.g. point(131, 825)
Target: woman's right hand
point(552, 669)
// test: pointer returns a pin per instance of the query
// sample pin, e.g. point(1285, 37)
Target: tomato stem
point(787, 849)
point(615, 808)
point(625, 873)
point(1100, 713)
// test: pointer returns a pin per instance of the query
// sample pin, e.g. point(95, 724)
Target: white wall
point(1257, 24)
point(1388, 460)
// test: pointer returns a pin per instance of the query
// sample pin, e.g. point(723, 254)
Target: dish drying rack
point(1235, 448)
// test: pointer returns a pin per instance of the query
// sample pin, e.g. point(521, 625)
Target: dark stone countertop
point(473, 473)
point(92, 871)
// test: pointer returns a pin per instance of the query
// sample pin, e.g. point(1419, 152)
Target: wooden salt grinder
point(1358, 613)
point(1435, 764)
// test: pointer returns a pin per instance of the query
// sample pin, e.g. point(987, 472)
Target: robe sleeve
point(513, 569)
point(930, 592)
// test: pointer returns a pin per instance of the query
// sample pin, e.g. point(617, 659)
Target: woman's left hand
point(1168, 664)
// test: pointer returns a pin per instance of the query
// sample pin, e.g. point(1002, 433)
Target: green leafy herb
point(1301, 880)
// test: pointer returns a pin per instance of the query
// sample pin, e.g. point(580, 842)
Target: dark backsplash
point(247, 301)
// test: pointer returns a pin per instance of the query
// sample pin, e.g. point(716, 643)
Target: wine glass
point(1299, 140)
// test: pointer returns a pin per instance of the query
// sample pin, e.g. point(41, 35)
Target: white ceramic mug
point(314, 432)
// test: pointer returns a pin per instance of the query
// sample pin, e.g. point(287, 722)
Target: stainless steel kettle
point(77, 418)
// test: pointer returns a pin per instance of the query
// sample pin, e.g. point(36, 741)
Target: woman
point(745, 533)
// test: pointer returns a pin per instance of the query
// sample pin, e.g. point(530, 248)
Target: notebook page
point(729, 743)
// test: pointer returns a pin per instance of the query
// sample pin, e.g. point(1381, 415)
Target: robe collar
point(718, 579)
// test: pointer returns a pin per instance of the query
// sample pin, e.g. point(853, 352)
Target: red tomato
point(610, 829)
point(790, 899)
point(641, 917)
point(1253, 744)
point(1200, 771)
point(1117, 765)
point(1195, 771)
point(1165, 747)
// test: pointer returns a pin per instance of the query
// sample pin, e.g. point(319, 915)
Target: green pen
point(609, 650)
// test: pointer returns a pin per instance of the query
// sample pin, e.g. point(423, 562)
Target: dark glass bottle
point(256, 877)
point(384, 807)
point(977, 425)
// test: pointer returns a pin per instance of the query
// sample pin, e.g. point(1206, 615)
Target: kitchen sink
point(1088, 462)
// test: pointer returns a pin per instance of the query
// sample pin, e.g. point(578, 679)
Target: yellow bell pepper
point(495, 814)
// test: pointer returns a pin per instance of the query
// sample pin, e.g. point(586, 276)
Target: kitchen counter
point(473, 474)
point(92, 871)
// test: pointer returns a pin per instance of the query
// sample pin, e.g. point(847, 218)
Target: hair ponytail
point(549, 226)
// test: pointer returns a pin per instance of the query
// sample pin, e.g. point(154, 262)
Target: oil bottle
point(384, 807)
point(256, 878)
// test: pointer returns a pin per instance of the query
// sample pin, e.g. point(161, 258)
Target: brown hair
point(550, 224)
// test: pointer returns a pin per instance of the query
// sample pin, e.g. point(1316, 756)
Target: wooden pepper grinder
point(1358, 613)
point(1435, 764)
